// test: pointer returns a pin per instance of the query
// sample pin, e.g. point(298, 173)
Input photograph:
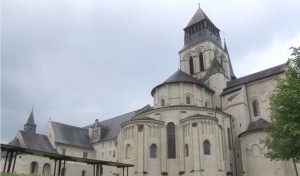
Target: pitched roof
point(257, 125)
point(180, 76)
point(198, 16)
point(254, 77)
point(37, 142)
point(71, 135)
point(15, 142)
point(111, 127)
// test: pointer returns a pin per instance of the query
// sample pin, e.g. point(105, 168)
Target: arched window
point(34, 167)
point(186, 150)
point(201, 61)
point(162, 102)
point(191, 65)
point(83, 173)
point(153, 149)
point(46, 169)
point(171, 140)
point(255, 107)
point(128, 151)
point(188, 99)
point(206, 147)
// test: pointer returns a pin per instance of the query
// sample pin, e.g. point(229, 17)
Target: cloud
point(81, 60)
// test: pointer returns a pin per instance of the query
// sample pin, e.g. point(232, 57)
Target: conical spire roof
point(198, 16)
point(232, 75)
point(30, 120)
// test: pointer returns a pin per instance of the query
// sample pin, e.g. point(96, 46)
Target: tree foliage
point(283, 140)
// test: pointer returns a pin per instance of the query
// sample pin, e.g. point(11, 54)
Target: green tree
point(283, 140)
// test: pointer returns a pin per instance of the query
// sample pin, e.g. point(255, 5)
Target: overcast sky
point(78, 60)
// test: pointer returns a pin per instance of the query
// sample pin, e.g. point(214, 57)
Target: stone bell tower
point(203, 56)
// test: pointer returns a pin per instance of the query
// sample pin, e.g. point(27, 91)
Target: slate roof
point(257, 125)
point(35, 141)
point(232, 75)
point(215, 68)
point(30, 120)
point(180, 76)
point(71, 135)
point(15, 142)
point(253, 77)
point(198, 16)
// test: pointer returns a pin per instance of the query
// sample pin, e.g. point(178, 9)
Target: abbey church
point(204, 121)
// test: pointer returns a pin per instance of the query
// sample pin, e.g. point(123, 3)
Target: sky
point(78, 60)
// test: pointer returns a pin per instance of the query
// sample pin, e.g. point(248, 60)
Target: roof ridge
point(252, 74)
point(66, 124)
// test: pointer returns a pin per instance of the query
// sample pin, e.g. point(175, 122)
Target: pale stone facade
point(203, 122)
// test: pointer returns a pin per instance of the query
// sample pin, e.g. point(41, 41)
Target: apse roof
point(180, 76)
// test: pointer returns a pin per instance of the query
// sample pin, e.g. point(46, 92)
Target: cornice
point(198, 117)
point(142, 120)
point(180, 108)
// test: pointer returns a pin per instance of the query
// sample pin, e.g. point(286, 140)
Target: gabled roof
point(257, 125)
point(180, 76)
point(254, 77)
point(198, 16)
point(36, 142)
point(71, 135)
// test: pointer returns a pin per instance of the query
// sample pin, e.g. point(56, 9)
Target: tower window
point(186, 149)
point(162, 102)
point(191, 65)
point(206, 147)
point(188, 99)
point(171, 140)
point(201, 61)
point(153, 149)
point(255, 107)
